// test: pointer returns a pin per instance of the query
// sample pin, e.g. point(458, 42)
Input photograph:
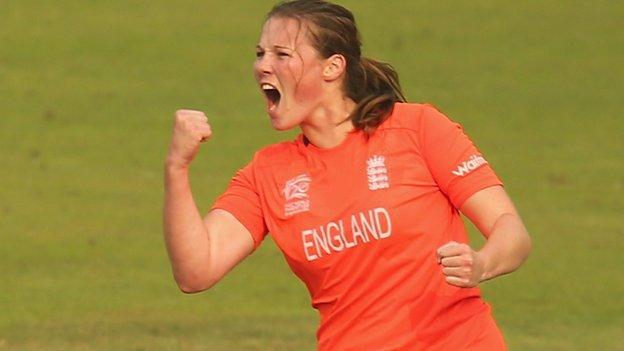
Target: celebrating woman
point(365, 203)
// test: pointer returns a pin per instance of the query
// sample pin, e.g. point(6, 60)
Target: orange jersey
point(360, 223)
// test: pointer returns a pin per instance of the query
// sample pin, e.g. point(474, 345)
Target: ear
point(335, 67)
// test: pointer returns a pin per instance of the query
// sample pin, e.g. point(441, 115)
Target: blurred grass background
point(87, 94)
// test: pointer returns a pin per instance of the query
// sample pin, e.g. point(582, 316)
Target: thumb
point(206, 133)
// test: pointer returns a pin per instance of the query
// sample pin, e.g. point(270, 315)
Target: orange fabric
point(360, 224)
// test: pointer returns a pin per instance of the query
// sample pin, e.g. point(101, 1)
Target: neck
point(325, 127)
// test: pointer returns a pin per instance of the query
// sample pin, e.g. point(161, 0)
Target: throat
point(328, 138)
point(329, 124)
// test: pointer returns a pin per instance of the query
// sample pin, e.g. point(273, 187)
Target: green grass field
point(87, 94)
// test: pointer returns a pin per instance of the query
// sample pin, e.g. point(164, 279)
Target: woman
point(364, 204)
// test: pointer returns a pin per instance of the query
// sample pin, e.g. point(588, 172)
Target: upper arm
point(230, 242)
point(455, 163)
point(486, 206)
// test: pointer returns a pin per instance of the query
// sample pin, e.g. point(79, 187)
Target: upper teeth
point(267, 86)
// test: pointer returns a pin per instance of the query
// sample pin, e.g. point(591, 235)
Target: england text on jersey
point(365, 226)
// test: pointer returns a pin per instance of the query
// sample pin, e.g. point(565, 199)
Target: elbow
point(192, 288)
point(522, 251)
point(523, 244)
point(193, 285)
point(528, 247)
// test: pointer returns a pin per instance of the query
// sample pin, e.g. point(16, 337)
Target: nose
point(263, 66)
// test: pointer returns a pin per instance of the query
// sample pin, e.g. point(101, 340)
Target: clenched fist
point(190, 128)
point(461, 266)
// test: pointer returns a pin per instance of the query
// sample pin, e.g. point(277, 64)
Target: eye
point(259, 54)
point(283, 54)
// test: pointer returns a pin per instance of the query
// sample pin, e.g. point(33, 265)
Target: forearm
point(507, 247)
point(186, 236)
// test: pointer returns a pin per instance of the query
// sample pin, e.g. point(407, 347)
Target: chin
point(281, 127)
point(281, 124)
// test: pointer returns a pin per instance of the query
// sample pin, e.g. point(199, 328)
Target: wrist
point(487, 272)
point(173, 164)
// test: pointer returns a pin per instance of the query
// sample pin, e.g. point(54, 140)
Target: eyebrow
point(258, 47)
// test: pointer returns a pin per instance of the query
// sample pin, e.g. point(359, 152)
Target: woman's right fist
point(190, 128)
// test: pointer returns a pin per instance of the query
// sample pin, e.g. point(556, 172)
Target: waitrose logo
point(466, 167)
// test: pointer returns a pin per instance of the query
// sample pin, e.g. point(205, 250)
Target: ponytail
point(375, 87)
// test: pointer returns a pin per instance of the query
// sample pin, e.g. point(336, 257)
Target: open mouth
point(272, 94)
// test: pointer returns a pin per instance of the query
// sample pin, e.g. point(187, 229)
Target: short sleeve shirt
point(360, 223)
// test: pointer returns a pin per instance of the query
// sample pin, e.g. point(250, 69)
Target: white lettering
point(336, 237)
point(331, 237)
point(342, 233)
point(378, 214)
point(320, 240)
point(292, 208)
point(356, 232)
point(370, 225)
point(307, 244)
point(466, 167)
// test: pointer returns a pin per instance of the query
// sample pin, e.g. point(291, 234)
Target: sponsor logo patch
point(466, 167)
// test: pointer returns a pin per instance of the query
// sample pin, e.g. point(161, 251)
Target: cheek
point(308, 84)
point(309, 89)
point(291, 73)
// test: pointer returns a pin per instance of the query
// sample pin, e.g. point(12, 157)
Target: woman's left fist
point(462, 266)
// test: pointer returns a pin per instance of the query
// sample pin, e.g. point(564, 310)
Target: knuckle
point(181, 112)
point(182, 119)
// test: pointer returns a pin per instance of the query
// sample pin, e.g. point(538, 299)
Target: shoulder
point(411, 116)
point(282, 153)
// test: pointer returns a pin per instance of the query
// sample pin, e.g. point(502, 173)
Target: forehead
point(287, 32)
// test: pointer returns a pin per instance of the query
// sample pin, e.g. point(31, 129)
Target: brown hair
point(373, 85)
